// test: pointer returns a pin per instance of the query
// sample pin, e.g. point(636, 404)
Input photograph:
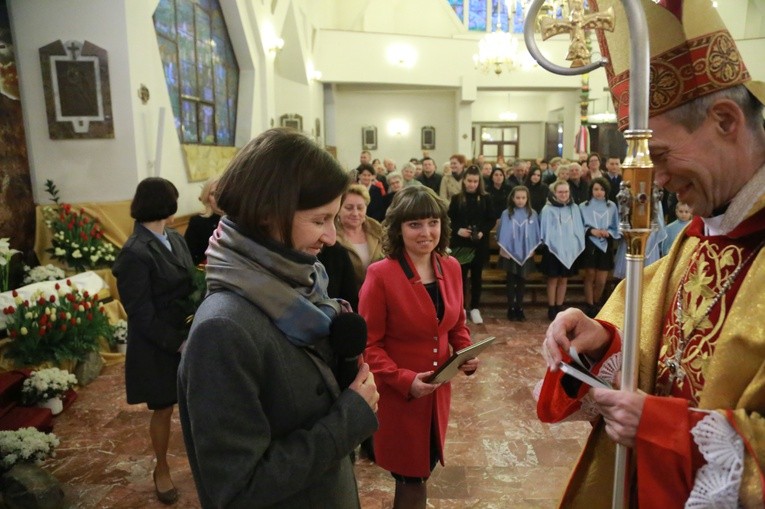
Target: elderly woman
point(153, 272)
point(412, 301)
point(358, 233)
point(409, 172)
point(265, 422)
point(200, 228)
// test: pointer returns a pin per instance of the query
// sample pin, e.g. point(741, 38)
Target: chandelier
point(499, 50)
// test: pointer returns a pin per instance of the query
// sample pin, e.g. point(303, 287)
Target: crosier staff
point(636, 196)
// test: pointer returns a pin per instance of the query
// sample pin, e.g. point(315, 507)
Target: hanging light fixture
point(499, 51)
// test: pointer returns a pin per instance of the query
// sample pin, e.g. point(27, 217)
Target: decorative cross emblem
point(74, 48)
point(577, 23)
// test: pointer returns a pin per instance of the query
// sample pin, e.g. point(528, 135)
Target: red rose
point(41, 301)
point(15, 294)
point(68, 282)
point(41, 332)
point(62, 315)
point(13, 334)
point(62, 328)
point(85, 294)
point(73, 321)
point(52, 299)
point(57, 286)
point(89, 316)
point(43, 320)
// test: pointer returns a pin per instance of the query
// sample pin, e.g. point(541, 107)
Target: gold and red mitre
point(692, 55)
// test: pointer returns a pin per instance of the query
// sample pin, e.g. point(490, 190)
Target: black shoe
point(520, 315)
point(512, 314)
point(551, 312)
point(368, 449)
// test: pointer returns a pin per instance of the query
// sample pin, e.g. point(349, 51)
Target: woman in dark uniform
point(153, 273)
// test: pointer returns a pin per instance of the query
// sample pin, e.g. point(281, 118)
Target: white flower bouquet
point(42, 273)
point(25, 445)
point(45, 384)
point(120, 331)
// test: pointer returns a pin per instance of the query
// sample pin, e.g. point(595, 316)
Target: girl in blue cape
point(562, 231)
point(684, 214)
point(517, 236)
point(601, 225)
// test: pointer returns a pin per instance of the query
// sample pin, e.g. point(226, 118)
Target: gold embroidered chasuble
point(723, 362)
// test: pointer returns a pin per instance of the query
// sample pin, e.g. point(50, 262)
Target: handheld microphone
point(348, 338)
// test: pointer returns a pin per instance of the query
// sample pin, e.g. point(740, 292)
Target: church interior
point(96, 95)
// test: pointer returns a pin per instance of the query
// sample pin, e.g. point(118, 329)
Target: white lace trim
point(610, 368)
point(717, 483)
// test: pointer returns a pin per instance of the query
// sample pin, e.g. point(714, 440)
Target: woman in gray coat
point(264, 420)
point(153, 273)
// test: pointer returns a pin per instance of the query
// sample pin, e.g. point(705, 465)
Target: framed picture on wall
point(369, 137)
point(428, 137)
point(291, 120)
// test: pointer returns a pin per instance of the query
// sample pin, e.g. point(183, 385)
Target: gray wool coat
point(264, 422)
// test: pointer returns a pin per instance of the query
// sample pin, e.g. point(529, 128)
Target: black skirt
point(550, 266)
point(594, 258)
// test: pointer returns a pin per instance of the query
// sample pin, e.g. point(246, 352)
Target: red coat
point(405, 338)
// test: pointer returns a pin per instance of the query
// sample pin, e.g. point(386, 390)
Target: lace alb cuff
point(717, 483)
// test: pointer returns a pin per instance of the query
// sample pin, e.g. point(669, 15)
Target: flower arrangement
point(62, 326)
point(6, 253)
point(119, 331)
point(25, 445)
point(42, 273)
point(45, 384)
point(77, 239)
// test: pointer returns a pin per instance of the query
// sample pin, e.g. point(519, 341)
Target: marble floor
point(498, 455)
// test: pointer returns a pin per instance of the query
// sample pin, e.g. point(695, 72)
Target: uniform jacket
point(405, 338)
point(151, 281)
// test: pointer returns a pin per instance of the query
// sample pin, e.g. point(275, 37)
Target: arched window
point(483, 15)
point(200, 68)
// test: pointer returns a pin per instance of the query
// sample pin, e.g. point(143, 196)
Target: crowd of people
point(571, 225)
point(374, 233)
point(278, 381)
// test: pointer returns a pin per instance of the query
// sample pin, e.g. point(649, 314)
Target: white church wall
point(83, 169)
point(356, 108)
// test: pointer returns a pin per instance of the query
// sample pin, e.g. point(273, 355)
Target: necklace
point(673, 364)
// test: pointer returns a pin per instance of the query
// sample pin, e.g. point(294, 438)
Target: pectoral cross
point(578, 22)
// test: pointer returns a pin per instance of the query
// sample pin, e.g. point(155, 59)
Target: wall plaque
point(77, 93)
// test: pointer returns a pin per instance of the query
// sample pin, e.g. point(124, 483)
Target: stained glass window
point(483, 15)
point(200, 69)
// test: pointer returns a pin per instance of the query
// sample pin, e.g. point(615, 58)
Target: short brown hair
point(411, 203)
point(155, 199)
point(276, 174)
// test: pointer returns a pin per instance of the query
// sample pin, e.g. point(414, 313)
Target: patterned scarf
point(288, 286)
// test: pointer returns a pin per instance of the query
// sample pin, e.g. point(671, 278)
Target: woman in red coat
point(412, 302)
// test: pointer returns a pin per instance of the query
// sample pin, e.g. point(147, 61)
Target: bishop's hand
point(573, 328)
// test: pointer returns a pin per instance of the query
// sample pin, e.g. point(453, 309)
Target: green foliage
point(55, 328)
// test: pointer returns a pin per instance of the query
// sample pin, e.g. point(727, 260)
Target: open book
point(579, 368)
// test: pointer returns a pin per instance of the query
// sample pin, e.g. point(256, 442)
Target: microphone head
point(348, 334)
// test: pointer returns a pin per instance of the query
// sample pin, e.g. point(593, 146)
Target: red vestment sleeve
point(554, 404)
point(667, 456)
